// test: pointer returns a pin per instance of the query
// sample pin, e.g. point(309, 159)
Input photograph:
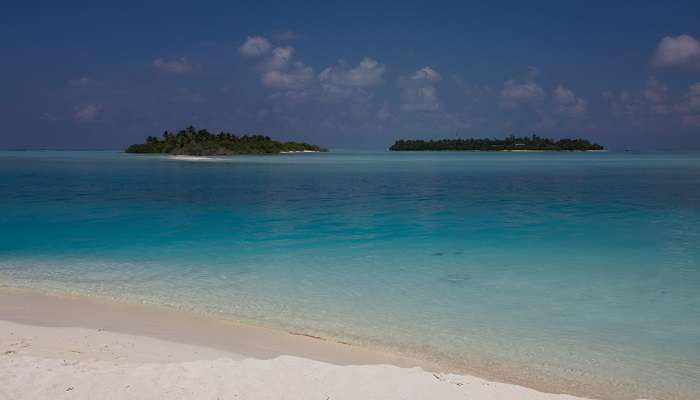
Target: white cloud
point(523, 91)
point(342, 81)
point(515, 93)
point(418, 92)
point(298, 76)
point(656, 100)
point(367, 73)
point(280, 71)
point(525, 103)
point(678, 51)
point(426, 74)
point(177, 65)
point(567, 104)
point(280, 58)
point(255, 46)
point(86, 113)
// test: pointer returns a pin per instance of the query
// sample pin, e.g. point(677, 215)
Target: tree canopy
point(510, 143)
point(191, 141)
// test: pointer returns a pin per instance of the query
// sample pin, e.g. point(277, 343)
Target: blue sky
point(353, 75)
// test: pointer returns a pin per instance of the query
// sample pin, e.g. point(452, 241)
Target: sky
point(351, 74)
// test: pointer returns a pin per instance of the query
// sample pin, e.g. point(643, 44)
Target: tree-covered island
point(510, 143)
point(194, 142)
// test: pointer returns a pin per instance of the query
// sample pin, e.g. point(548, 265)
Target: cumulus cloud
point(367, 73)
point(255, 46)
point(296, 82)
point(523, 90)
point(176, 66)
point(656, 104)
point(426, 74)
point(279, 70)
point(418, 92)
point(86, 113)
point(343, 81)
point(515, 93)
point(279, 59)
point(297, 76)
point(525, 103)
point(678, 51)
point(566, 103)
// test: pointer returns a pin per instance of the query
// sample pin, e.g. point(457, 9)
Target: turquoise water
point(579, 268)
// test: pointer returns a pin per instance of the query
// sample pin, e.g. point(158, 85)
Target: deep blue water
point(582, 266)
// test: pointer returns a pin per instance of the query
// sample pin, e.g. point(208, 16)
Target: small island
point(510, 143)
point(193, 142)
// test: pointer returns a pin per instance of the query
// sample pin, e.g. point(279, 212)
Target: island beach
point(67, 347)
point(59, 344)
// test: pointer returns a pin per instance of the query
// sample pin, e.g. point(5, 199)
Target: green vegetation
point(508, 144)
point(195, 142)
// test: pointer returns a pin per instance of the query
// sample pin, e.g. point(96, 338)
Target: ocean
point(582, 268)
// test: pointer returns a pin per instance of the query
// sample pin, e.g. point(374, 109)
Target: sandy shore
point(192, 158)
point(55, 347)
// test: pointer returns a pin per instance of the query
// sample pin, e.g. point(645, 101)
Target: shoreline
point(52, 308)
point(213, 158)
point(35, 320)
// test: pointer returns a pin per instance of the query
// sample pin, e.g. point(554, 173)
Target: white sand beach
point(191, 158)
point(64, 347)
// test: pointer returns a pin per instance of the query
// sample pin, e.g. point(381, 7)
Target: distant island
point(511, 143)
point(193, 142)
